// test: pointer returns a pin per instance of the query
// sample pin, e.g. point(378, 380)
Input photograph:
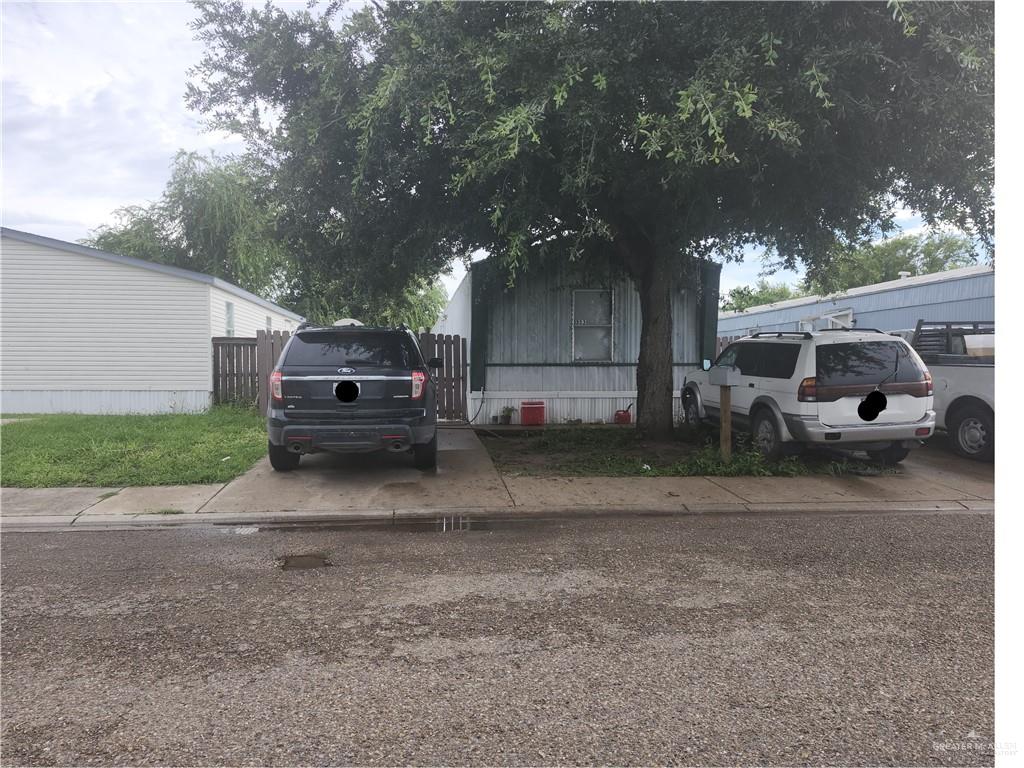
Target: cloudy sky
point(93, 112)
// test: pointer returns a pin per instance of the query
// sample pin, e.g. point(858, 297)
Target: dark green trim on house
point(707, 308)
point(479, 326)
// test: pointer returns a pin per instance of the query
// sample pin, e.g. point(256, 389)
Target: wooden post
point(725, 422)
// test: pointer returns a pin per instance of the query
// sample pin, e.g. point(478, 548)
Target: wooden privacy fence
point(452, 376)
point(241, 367)
point(234, 370)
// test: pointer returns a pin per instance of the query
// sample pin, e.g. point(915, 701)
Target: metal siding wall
point(570, 378)
point(968, 298)
point(562, 406)
point(532, 323)
point(104, 401)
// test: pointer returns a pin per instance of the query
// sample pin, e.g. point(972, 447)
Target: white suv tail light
point(807, 392)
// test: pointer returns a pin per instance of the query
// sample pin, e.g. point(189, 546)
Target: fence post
point(262, 371)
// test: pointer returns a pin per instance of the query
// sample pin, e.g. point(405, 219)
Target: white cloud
point(93, 110)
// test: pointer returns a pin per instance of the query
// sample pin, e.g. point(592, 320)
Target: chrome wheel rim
point(972, 435)
point(765, 436)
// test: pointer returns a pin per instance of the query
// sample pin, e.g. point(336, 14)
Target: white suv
point(809, 387)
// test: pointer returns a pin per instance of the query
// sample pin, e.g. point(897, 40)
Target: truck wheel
point(764, 433)
point(424, 455)
point(894, 454)
point(281, 459)
point(973, 431)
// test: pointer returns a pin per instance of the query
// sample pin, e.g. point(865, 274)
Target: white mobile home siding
point(249, 316)
point(456, 318)
point(83, 334)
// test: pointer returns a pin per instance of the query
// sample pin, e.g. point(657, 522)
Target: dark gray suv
point(352, 389)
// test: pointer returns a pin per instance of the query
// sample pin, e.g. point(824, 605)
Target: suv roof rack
point(853, 330)
point(780, 334)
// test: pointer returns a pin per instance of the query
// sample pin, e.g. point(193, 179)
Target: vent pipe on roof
point(903, 275)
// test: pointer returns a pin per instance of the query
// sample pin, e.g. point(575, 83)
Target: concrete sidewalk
point(386, 488)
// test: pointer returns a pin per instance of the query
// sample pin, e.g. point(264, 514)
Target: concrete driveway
point(465, 478)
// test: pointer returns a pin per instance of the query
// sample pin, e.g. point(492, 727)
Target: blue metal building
point(958, 294)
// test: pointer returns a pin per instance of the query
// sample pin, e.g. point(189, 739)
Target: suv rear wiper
point(875, 401)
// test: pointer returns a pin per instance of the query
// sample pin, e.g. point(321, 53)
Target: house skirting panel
point(111, 401)
point(560, 407)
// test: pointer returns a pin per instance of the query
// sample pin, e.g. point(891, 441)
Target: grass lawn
point(174, 449)
point(616, 452)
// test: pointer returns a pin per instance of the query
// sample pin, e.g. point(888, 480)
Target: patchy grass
point(172, 449)
point(621, 452)
point(166, 511)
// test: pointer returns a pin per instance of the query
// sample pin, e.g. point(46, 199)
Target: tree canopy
point(763, 292)
point(881, 261)
point(647, 136)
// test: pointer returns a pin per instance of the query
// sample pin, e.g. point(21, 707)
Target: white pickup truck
point(961, 360)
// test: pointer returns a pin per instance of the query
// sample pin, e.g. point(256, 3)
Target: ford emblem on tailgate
point(346, 370)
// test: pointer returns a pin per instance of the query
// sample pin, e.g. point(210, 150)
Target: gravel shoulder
point(705, 641)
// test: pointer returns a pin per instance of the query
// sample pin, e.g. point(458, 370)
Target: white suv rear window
point(863, 361)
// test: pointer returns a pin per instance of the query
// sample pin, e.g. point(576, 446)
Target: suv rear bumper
point(351, 436)
point(808, 429)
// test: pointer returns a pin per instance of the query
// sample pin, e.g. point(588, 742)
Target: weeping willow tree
point(210, 219)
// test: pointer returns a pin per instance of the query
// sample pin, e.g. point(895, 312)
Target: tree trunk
point(654, 368)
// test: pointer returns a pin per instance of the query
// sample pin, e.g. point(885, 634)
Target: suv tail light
point(928, 383)
point(275, 386)
point(419, 378)
point(807, 392)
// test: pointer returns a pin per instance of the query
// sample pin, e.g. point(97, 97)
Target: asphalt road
point(846, 640)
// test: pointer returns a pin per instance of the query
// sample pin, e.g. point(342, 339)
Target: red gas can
point(531, 413)
point(624, 417)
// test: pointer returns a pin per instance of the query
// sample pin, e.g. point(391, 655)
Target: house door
point(452, 377)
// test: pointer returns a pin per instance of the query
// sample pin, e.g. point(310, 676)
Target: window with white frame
point(229, 318)
point(592, 326)
point(840, 319)
point(270, 323)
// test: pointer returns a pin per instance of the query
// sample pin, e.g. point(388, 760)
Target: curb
point(314, 518)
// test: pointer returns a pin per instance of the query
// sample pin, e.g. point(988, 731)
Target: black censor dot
point(347, 391)
point(871, 406)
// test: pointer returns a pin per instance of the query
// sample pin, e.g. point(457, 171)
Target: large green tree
point(645, 136)
point(764, 292)
point(881, 261)
point(215, 217)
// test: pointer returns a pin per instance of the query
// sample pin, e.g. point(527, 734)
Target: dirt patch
point(582, 451)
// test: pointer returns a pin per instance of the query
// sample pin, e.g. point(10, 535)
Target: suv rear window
point(379, 350)
point(865, 361)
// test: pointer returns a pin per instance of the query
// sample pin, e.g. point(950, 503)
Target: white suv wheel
point(766, 436)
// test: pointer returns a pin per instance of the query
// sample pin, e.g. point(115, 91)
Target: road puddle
point(302, 562)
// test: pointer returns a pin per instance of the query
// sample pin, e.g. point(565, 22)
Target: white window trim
point(229, 319)
point(610, 326)
point(842, 318)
